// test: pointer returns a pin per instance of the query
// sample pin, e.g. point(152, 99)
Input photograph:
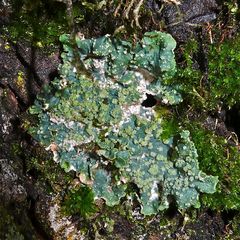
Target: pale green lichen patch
point(95, 123)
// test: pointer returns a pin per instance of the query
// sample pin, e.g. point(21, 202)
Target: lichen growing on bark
point(93, 121)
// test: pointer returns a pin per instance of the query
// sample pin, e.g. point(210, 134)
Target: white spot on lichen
point(72, 168)
point(55, 157)
point(154, 192)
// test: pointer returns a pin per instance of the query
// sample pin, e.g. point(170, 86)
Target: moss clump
point(218, 158)
point(79, 200)
point(41, 21)
point(170, 126)
point(220, 84)
point(224, 72)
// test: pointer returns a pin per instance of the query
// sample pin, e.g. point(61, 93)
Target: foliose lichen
point(93, 121)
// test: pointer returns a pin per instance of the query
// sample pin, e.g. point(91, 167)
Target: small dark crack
point(22, 105)
point(32, 76)
point(37, 226)
point(232, 120)
point(28, 66)
point(228, 215)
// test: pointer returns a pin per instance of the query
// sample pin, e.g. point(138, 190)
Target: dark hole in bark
point(54, 74)
point(233, 119)
point(228, 215)
point(102, 231)
point(34, 173)
point(150, 101)
point(210, 212)
point(172, 211)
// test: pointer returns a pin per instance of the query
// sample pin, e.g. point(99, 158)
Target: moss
point(16, 149)
point(20, 80)
point(7, 46)
point(163, 222)
point(79, 200)
point(235, 224)
point(224, 73)
point(8, 228)
point(217, 157)
point(39, 165)
point(170, 126)
point(41, 21)
point(49, 173)
point(189, 77)
point(220, 85)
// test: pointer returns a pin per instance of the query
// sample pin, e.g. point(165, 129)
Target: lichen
point(93, 121)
